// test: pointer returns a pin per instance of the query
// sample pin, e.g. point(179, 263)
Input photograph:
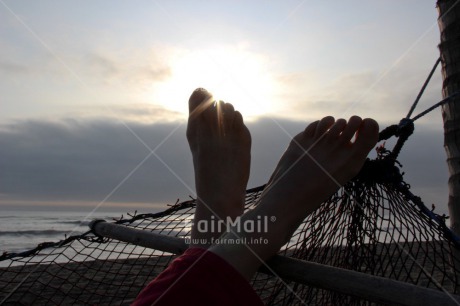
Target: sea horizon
point(24, 228)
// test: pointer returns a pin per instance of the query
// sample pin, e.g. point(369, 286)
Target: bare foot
point(321, 159)
point(220, 145)
point(316, 163)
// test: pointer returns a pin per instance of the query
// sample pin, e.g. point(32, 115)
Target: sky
point(89, 89)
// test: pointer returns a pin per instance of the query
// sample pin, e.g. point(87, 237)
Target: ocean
point(24, 230)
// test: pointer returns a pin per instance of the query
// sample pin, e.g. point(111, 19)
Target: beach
point(98, 282)
point(118, 281)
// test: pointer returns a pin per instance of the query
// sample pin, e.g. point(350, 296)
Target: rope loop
point(405, 129)
point(388, 132)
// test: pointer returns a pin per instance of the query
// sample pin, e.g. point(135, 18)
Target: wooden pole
point(449, 26)
point(449, 47)
point(368, 287)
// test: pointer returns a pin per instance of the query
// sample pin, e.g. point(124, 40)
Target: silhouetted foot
point(321, 159)
point(220, 144)
point(316, 163)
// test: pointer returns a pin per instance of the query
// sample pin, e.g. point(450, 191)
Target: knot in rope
point(405, 128)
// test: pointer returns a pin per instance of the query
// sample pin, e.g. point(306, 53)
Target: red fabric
point(198, 277)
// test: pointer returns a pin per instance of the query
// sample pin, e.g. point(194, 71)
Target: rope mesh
point(373, 225)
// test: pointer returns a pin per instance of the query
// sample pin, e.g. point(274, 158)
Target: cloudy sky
point(93, 94)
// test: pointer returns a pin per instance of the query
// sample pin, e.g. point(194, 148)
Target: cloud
point(126, 68)
point(133, 67)
point(9, 67)
point(87, 160)
point(133, 112)
point(84, 160)
point(424, 162)
point(386, 96)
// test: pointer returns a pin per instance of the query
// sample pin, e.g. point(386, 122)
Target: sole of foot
point(319, 160)
point(220, 144)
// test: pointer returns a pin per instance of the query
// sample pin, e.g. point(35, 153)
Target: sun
point(231, 74)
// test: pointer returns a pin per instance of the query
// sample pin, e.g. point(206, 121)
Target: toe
point(197, 97)
point(241, 129)
point(217, 112)
point(352, 126)
point(323, 126)
point(238, 119)
point(337, 128)
point(229, 114)
point(311, 129)
point(220, 108)
point(199, 101)
point(228, 107)
point(367, 136)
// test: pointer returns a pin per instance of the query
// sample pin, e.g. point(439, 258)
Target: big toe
point(198, 99)
point(367, 136)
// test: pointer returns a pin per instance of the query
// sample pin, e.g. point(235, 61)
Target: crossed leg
point(220, 144)
point(316, 163)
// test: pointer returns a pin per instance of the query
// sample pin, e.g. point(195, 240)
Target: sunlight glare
point(231, 74)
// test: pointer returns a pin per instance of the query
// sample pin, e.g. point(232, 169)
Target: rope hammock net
point(373, 225)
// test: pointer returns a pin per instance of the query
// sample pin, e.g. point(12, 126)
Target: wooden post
point(372, 288)
point(449, 47)
point(449, 26)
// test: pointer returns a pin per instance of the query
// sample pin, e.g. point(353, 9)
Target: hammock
point(373, 230)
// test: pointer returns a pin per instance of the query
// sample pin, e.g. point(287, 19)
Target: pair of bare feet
point(316, 163)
